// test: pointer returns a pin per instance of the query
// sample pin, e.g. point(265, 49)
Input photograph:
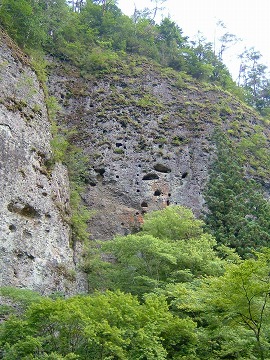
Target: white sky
point(248, 20)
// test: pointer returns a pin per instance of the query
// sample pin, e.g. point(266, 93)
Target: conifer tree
point(238, 214)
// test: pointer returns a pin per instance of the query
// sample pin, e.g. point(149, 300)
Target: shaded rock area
point(147, 132)
point(34, 205)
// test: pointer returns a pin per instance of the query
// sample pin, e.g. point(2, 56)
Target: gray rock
point(34, 205)
point(149, 142)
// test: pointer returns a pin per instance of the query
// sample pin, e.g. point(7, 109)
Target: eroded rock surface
point(34, 205)
point(147, 134)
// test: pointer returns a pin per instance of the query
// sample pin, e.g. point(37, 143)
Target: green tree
point(170, 248)
point(101, 326)
point(238, 215)
point(173, 223)
point(171, 43)
point(254, 79)
point(23, 21)
point(242, 298)
point(231, 311)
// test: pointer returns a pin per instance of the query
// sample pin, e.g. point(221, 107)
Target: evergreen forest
point(180, 287)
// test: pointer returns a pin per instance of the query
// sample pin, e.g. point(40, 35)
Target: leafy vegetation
point(77, 164)
point(94, 37)
point(163, 294)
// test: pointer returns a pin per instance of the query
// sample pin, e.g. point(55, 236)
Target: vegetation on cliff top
point(94, 36)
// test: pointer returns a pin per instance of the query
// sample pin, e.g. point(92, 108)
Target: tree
point(241, 298)
point(225, 40)
point(171, 43)
point(254, 79)
point(106, 4)
point(238, 215)
point(170, 248)
point(22, 20)
point(172, 223)
point(231, 311)
point(76, 4)
point(102, 326)
point(148, 13)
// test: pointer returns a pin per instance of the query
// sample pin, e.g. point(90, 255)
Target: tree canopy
point(158, 295)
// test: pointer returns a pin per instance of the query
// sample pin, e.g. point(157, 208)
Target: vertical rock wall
point(34, 204)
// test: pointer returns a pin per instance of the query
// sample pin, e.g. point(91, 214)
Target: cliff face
point(147, 132)
point(34, 238)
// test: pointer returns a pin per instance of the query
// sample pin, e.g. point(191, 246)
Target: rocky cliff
point(34, 236)
point(147, 132)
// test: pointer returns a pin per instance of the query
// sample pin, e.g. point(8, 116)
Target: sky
point(248, 20)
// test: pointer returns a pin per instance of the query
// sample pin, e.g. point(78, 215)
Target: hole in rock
point(27, 233)
point(150, 176)
point(29, 211)
point(100, 171)
point(169, 194)
point(162, 168)
point(138, 190)
point(117, 176)
point(92, 183)
point(184, 175)
point(168, 203)
point(118, 144)
point(12, 227)
point(157, 193)
point(144, 204)
point(23, 209)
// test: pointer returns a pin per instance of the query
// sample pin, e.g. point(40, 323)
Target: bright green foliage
point(173, 223)
point(95, 37)
point(22, 20)
point(242, 299)
point(232, 311)
point(170, 248)
point(103, 326)
point(191, 305)
point(22, 298)
point(239, 216)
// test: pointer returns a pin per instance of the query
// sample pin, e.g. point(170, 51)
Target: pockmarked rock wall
point(35, 250)
point(147, 132)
